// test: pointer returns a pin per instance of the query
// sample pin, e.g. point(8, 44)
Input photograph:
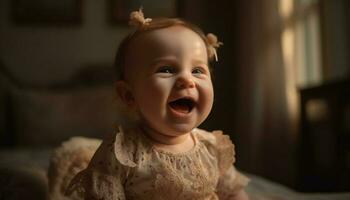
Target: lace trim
point(216, 141)
point(221, 146)
point(169, 182)
point(123, 149)
point(225, 151)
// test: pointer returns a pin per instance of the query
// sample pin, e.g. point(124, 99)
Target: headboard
point(44, 115)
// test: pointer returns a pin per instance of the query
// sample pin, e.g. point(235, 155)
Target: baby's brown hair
point(147, 25)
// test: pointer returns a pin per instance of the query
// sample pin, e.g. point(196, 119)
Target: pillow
point(48, 117)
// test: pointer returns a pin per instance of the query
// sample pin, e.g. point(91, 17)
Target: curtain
point(263, 120)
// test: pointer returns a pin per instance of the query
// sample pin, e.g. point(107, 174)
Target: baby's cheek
point(152, 93)
point(206, 96)
point(206, 89)
point(162, 87)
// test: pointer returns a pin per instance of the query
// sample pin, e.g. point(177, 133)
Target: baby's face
point(169, 79)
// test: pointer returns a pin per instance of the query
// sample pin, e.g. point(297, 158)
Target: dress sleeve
point(230, 180)
point(231, 183)
point(93, 184)
point(106, 174)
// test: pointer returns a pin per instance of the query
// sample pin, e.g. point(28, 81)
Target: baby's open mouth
point(183, 105)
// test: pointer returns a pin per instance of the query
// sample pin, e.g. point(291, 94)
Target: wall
point(44, 54)
point(336, 32)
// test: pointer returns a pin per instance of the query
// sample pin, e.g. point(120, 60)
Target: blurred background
point(281, 83)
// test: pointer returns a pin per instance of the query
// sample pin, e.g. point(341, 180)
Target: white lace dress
point(128, 166)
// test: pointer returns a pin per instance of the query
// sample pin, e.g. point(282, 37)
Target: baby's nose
point(184, 81)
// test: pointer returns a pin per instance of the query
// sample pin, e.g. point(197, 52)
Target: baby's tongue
point(180, 107)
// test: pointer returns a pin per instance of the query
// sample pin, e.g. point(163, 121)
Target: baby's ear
point(124, 93)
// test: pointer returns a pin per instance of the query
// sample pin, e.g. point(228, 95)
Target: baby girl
point(166, 89)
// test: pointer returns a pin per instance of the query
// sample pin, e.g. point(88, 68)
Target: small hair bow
point(137, 19)
point(214, 44)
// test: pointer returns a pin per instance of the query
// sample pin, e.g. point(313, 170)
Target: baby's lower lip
point(180, 112)
point(180, 108)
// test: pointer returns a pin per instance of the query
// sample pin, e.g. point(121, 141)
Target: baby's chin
point(176, 129)
point(170, 128)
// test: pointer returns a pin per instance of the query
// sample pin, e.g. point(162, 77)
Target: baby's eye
point(197, 70)
point(165, 69)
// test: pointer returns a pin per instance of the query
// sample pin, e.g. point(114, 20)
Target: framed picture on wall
point(47, 12)
point(120, 9)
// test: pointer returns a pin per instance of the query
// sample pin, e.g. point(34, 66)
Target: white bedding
point(262, 189)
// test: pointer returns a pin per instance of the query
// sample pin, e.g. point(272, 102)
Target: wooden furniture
point(324, 143)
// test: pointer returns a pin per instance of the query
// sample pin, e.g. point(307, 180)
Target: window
point(301, 41)
point(301, 50)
